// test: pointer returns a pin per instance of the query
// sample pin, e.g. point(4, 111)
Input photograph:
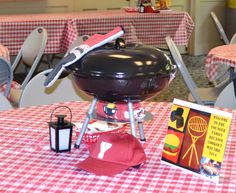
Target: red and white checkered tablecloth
point(15, 28)
point(147, 28)
point(63, 28)
point(221, 55)
point(28, 165)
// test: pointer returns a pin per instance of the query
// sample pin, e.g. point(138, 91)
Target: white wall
point(45, 6)
point(205, 35)
point(35, 6)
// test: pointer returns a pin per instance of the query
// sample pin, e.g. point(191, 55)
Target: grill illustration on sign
point(197, 127)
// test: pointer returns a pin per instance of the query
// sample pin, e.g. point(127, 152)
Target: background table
point(221, 55)
point(63, 28)
point(28, 165)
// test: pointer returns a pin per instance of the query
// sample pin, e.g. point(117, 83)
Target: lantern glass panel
point(53, 137)
point(64, 139)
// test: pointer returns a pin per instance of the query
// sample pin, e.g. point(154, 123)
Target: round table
point(219, 56)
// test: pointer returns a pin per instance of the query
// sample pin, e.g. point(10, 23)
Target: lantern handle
point(58, 108)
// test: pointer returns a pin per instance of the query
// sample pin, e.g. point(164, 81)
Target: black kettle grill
point(122, 72)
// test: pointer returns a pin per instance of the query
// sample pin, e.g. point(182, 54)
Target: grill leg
point(131, 118)
point(142, 136)
point(132, 123)
point(86, 122)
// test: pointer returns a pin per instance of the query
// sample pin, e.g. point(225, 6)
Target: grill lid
point(123, 61)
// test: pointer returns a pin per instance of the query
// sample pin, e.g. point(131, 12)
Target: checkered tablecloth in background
point(63, 28)
point(221, 55)
point(15, 28)
point(148, 28)
point(28, 165)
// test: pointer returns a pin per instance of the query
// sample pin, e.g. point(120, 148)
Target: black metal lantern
point(60, 132)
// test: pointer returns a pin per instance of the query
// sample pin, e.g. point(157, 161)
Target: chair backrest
point(31, 52)
point(219, 27)
point(183, 69)
point(6, 75)
point(35, 93)
point(4, 103)
point(227, 97)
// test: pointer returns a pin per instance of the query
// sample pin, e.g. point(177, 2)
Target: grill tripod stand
point(131, 120)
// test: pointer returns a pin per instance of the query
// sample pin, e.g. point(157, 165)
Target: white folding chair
point(223, 75)
point(220, 28)
point(79, 40)
point(30, 55)
point(227, 97)
point(201, 96)
point(4, 103)
point(35, 93)
point(6, 75)
point(233, 39)
point(31, 52)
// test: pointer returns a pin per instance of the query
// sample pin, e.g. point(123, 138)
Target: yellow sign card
point(216, 138)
